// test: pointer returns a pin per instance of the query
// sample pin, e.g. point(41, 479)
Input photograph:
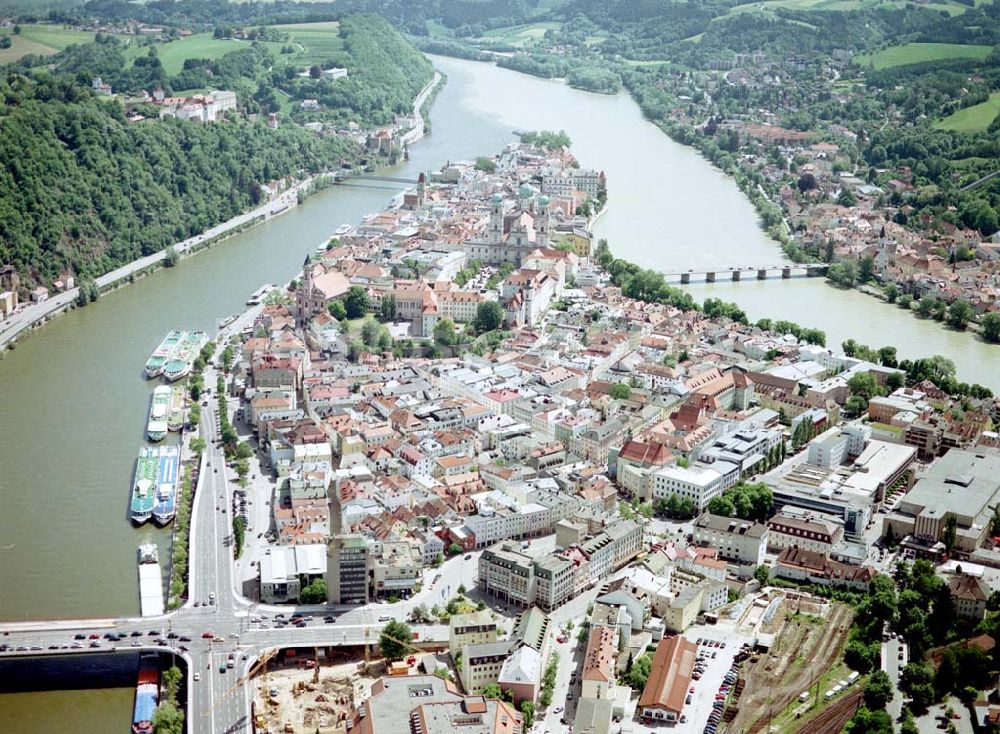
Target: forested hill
point(82, 189)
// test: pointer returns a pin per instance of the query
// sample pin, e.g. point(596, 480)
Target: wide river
point(73, 402)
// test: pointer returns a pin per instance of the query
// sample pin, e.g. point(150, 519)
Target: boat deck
point(150, 589)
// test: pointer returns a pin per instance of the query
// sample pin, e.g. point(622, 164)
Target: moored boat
point(165, 504)
point(160, 356)
point(144, 485)
point(175, 417)
point(156, 428)
point(179, 364)
point(147, 694)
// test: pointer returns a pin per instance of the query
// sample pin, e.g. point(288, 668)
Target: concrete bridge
point(344, 177)
point(784, 271)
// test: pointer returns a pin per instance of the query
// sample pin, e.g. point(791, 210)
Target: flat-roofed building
point(743, 541)
point(964, 484)
point(474, 628)
point(430, 705)
point(481, 664)
point(669, 678)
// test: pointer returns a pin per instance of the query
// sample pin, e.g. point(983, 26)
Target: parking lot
point(724, 644)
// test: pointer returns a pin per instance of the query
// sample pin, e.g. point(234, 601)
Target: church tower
point(496, 219)
point(304, 294)
point(543, 221)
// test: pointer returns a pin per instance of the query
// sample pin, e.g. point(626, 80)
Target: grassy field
point(519, 35)
point(314, 43)
point(914, 53)
point(41, 39)
point(199, 46)
point(972, 119)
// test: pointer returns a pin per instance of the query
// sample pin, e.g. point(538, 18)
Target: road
point(33, 314)
point(893, 657)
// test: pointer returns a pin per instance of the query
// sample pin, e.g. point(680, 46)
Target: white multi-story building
point(696, 483)
point(738, 540)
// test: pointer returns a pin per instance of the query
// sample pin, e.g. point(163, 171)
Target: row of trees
point(744, 500)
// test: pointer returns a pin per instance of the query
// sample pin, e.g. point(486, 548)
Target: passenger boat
point(167, 471)
point(156, 428)
point(144, 484)
point(160, 356)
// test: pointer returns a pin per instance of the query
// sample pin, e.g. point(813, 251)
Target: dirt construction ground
point(304, 701)
point(805, 647)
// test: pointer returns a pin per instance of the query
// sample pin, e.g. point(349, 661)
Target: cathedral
point(512, 235)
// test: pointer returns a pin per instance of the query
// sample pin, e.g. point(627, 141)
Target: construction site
point(316, 690)
point(783, 685)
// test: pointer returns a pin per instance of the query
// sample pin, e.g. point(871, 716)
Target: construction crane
point(265, 657)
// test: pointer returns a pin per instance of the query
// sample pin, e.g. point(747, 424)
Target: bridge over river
point(735, 274)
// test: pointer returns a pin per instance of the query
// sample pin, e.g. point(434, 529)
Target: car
point(384, 618)
point(691, 689)
point(207, 635)
point(182, 648)
point(53, 647)
point(153, 633)
point(557, 710)
point(222, 668)
point(172, 635)
point(184, 638)
point(136, 633)
point(95, 636)
point(197, 676)
point(95, 643)
point(79, 636)
point(136, 643)
point(468, 556)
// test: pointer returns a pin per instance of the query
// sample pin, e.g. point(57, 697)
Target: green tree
point(864, 385)
point(171, 257)
point(244, 451)
point(395, 639)
point(239, 532)
point(370, 332)
point(168, 719)
point(337, 310)
point(388, 307)
point(763, 574)
point(528, 714)
point(489, 317)
point(866, 721)
point(917, 680)
point(198, 445)
point(991, 327)
point(454, 549)
point(636, 678)
point(356, 302)
point(844, 274)
point(866, 269)
point(846, 198)
point(950, 533)
point(879, 690)
point(486, 165)
point(314, 593)
point(620, 391)
point(959, 314)
point(444, 332)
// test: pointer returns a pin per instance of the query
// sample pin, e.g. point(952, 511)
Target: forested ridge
point(82, 189)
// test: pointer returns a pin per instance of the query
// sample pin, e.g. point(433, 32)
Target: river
point(74, 402)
